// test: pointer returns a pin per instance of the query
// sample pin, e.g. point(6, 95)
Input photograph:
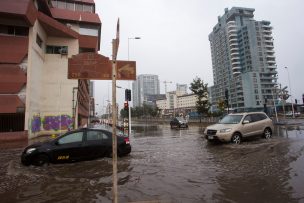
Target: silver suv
point(234, 127)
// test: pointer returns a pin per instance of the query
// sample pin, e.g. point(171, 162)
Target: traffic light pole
point(129, 120)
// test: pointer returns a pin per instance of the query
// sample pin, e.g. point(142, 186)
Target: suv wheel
point(267, 133)
point(236, 138)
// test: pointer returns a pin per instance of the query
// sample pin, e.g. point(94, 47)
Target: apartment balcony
point(267, 31)
point(231, 24)
point(232, 31)
point(268, 40)
point(269, 45)
point(232, 35)
point(266, 26)
point(234, 49)
point(234, 55)
point(236, 73)
point(236, 68)
point(235, 63)
point(271, 67)
point(233, 44)
point(269, 51)
point(271, 61)
point(270, 57)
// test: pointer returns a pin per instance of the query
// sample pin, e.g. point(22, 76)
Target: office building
point(144, 86)
point(243, 60)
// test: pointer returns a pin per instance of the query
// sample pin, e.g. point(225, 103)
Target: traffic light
point(126, 105)
point(128, 95)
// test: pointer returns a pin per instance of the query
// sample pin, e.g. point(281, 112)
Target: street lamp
point(129, 44)
point(129, 82)
point(290, 93)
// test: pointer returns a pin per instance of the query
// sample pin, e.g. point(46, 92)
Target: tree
point(200, 89)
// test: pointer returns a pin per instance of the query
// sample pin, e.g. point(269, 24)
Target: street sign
point(126, 70)
point(94, 66)
point(91, 66)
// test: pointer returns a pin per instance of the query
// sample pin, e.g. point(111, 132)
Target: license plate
point(210, 137)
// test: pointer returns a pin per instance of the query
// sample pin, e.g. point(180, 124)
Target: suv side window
point(249, 118)
point(258, 117)
point(71, 138)
point(262, 116)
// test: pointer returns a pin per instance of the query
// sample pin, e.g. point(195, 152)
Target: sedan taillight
point(127, 141)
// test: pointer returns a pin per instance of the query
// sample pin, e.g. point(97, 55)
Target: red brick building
point(36, 39)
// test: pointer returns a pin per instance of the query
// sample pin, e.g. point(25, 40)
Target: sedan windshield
point(231, 119)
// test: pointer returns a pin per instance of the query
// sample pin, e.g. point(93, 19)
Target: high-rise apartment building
point(145, 85)
point(36, 40)
point(243, 60)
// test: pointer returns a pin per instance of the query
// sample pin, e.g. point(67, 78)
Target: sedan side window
point(74, 137)
point(94, 135)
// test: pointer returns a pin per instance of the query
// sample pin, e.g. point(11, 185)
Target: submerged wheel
point(41, 160)
point(267, 133)
point(236, 138)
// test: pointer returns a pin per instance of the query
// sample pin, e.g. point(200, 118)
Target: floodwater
point(168, 165)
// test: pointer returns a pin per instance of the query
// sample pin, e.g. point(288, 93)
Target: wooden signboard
point(94, 66)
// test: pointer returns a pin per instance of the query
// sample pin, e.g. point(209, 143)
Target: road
point(168, 165)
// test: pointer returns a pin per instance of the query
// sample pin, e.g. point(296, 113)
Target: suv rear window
point(258, 117)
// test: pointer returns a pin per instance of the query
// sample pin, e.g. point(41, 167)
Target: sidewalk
point(290, 121)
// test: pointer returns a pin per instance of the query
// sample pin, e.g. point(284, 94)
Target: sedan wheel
point(236, 138)
point(41, 160)
point(267, 133)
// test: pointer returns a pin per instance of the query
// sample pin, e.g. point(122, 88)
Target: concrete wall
point(49, 92)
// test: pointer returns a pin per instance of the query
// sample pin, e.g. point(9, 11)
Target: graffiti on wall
point(49, 123)
point(36, 124)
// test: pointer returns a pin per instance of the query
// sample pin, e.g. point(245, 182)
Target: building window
point(56, 49)
point(14, 30)
point(39, 41)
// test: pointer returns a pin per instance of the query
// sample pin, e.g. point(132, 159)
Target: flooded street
point(168, 165)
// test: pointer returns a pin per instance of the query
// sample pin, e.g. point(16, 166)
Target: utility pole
point(115, 44)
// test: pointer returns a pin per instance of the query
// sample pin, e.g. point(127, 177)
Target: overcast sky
point(174, 39)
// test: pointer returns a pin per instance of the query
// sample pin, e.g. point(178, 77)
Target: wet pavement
point(168, 165)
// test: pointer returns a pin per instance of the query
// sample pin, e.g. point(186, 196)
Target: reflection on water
point(169, 165)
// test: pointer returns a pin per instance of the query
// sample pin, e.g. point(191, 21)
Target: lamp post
point(293, 115)
point(129, 44)
point(129, 82)
point(274, 104)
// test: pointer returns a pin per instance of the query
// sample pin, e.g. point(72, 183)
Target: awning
point(54, 28)
point(11, 104)
point(75, 16)
point(12, 79)
point(21, 12)
point(13, 49)
point(86, 41)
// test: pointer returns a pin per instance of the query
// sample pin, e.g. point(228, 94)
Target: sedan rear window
point(96, 135)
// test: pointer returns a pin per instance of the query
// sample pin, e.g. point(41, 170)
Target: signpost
point(94, 66)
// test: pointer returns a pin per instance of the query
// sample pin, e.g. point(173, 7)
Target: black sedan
point(82, 144)
point(179, 122)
